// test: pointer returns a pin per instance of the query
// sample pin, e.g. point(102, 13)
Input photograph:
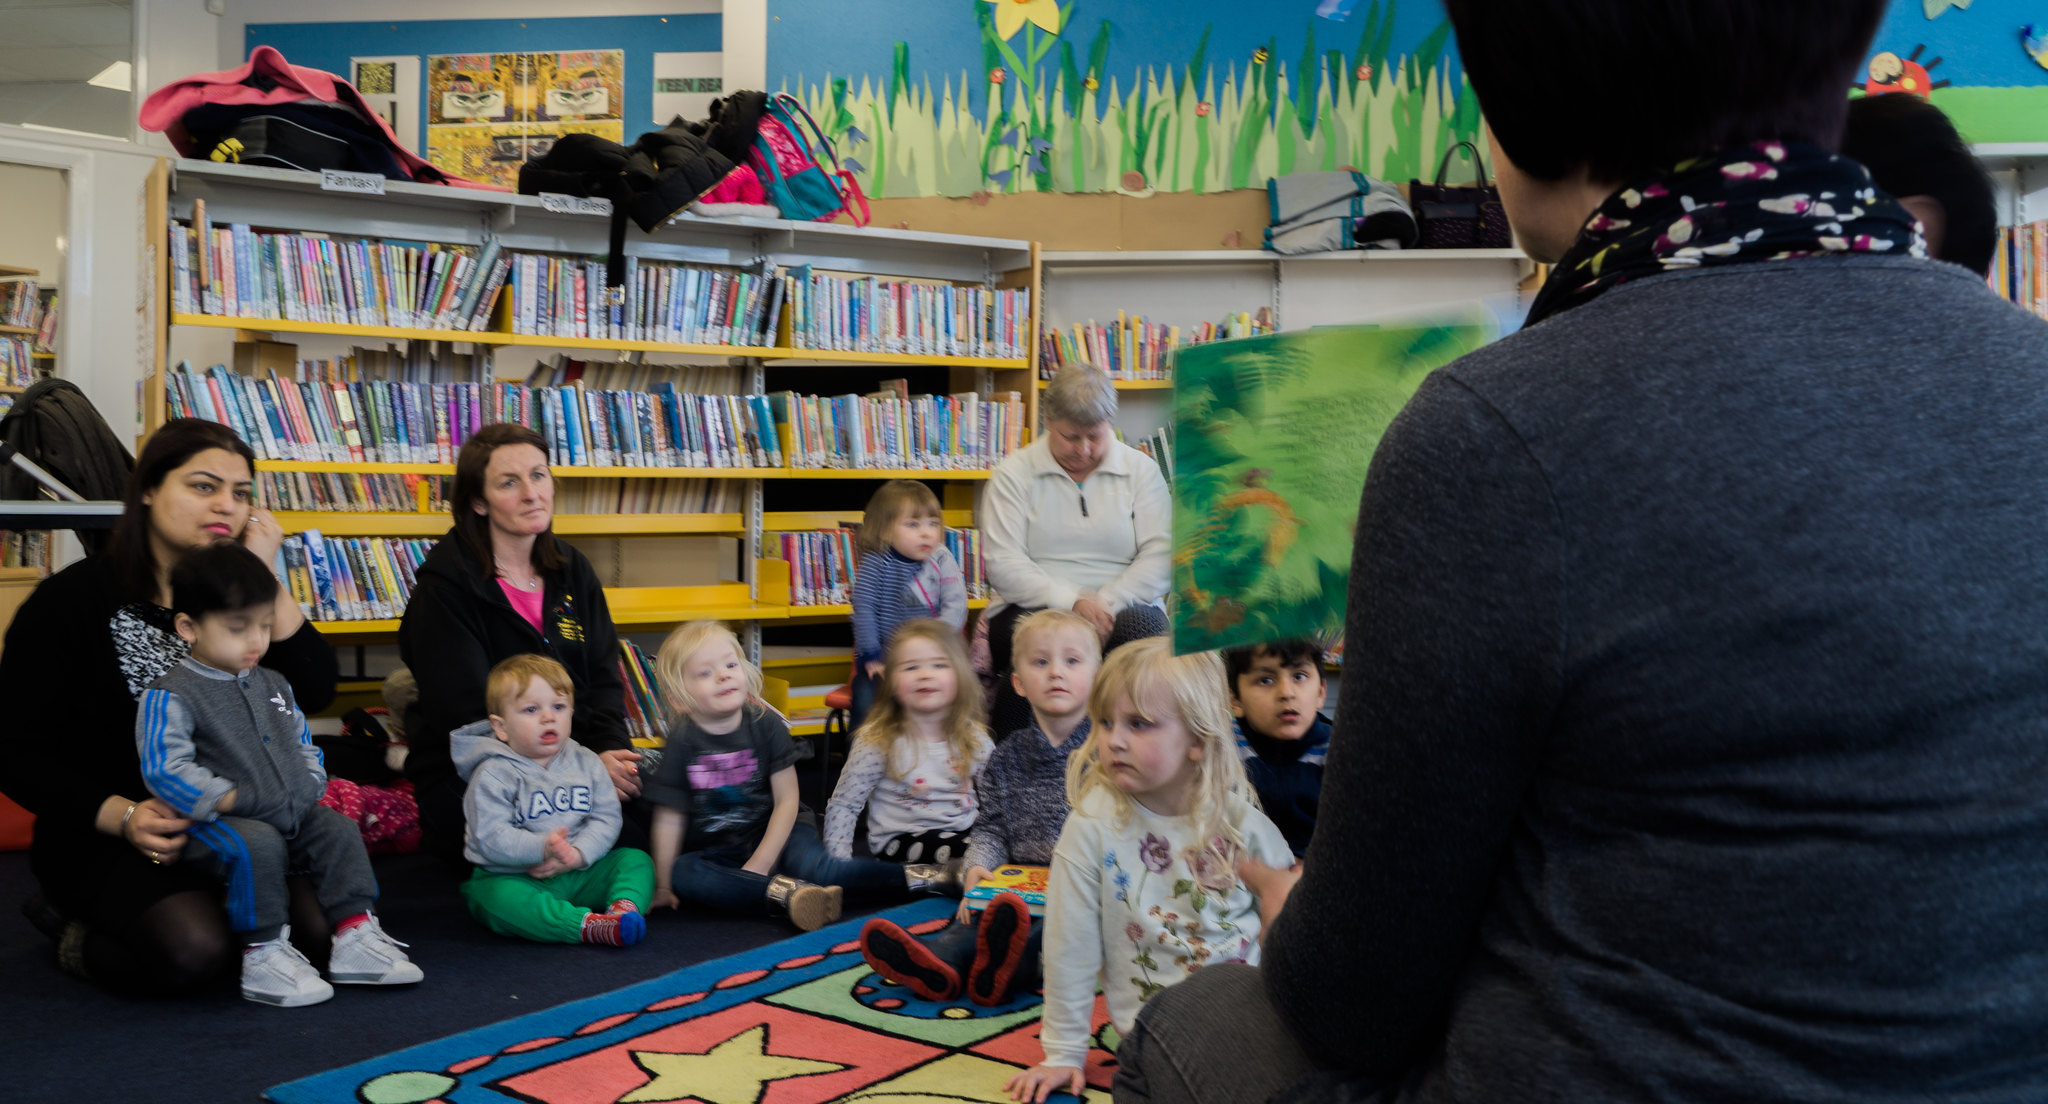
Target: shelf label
point(575, 205)
point(334, 180)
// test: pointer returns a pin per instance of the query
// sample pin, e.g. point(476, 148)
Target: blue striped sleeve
point(163, 741)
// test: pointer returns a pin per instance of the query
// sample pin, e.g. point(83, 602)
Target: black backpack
point(55, 425)
point(650, 181)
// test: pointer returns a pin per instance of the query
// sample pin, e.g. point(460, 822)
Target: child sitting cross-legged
point(1144, 888)
point(912, 765)
point(1023, 806)
point(729, 830)
point(542, 817)
point(1275, 693)
point(222, 740)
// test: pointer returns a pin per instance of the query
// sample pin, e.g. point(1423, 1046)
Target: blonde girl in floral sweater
point(1144, 887)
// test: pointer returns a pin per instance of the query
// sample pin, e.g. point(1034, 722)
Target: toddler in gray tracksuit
point(223, 742)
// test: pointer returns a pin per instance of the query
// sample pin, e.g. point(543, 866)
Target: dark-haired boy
point(222, 740)
point(1276, 691)
point(1914, 152)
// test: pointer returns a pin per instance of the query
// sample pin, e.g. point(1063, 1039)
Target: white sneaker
point(364, 955)
point(276, 973)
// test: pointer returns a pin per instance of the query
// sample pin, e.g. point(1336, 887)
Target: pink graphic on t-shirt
point(726, 768)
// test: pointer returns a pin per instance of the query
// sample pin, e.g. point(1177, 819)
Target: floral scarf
point(1764, 202)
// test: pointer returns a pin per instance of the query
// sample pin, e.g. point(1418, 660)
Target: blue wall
point(1979, 45)
point(329, 46)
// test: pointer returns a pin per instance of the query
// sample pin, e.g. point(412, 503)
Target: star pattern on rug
point(736, 1071)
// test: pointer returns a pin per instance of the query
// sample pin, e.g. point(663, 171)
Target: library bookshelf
point(753, 590)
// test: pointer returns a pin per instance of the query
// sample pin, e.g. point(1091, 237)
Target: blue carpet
point(802, 1021)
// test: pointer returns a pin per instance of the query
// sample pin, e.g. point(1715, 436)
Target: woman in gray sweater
point(1694, 740)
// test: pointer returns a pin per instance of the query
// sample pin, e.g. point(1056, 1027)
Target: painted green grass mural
point(1057, 122)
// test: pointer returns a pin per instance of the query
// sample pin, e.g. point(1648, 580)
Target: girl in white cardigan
point(1144, 888)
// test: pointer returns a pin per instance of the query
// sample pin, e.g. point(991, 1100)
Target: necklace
point(523, 584)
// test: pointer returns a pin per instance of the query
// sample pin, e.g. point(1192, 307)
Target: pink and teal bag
point(789, 170)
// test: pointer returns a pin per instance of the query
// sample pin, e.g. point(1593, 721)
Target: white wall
point(32, 234)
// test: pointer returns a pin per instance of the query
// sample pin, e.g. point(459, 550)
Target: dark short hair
point(1290, 653)
point(220, 578)
point(474, 529)
point(1629, 88)
point(1912, 149)
point(175, 442)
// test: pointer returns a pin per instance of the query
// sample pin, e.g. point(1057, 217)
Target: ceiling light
point(120, 76)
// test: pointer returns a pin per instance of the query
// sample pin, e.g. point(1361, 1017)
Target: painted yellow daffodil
point(1011, 15)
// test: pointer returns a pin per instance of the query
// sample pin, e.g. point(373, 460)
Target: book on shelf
point(650, 496)
point(1132, 348)
point(25, 548)
point(962, 432)
point(648, 714)
point(21, 304)
point(823, 563)
point(353, 492)
point(1158, 445)
point(351, 578)
point(1028, 882)
point(239, 271)
point(17, 361)
point(663, 302)
point(870, 315)
point(2019, 266)
point(46, 330)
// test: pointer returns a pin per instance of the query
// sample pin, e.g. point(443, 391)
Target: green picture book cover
point(1272, 437)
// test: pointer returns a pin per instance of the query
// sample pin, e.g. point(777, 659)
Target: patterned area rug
point(803, 1021)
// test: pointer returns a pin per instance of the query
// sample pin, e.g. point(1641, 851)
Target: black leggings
point(154, 930)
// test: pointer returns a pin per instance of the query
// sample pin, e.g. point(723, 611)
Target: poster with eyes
point(487, 114)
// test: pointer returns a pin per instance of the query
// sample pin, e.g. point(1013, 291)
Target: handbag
point(1460, 217)
point(790, 173)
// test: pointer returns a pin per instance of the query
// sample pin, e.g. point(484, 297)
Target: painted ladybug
point(1891, 73)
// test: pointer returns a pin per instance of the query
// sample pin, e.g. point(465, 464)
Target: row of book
point(889, 429)
point(21, 304)
point(25, 548)
point(392, 422)
point(648, 713)
point(17, 361)
point(2019, 269)
point(1132, 348)
point(352, 492)
point(1158, 445)
point(871, 315)
point(240, 272)
point(823, 563)
point(352, 578)
point(415, 362)
point(650, 496)
point(673, 303)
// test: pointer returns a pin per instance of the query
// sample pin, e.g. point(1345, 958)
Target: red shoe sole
point(897, 955)
point(998, 945)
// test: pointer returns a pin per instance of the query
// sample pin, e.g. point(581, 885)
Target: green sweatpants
point(552, 910)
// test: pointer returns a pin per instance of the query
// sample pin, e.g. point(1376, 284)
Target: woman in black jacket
point(80, 652)
point(499, 585)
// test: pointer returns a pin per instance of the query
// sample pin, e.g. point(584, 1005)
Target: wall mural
point(1048, 108)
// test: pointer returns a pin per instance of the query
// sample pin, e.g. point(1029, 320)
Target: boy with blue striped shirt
point(223, 741)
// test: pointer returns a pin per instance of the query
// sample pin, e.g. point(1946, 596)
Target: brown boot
point(810, 907)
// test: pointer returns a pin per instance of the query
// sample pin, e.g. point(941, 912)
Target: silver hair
point(1081, 394)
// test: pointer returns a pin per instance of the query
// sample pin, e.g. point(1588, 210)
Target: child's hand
point(664, 898)
point(1036, 1083)
point(875, 668)
point(972, 878)
point(562, 851)
point(546, 868)
point(765, 867)
point(1270, 885)
point(226, 804)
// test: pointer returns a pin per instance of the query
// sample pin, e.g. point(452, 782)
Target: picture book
point(1028, 882)
point(1271, 439)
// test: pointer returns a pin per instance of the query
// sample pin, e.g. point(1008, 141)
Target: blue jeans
point(864, 689)
point(714, 876)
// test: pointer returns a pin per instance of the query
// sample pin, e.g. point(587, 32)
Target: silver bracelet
point(125, 818)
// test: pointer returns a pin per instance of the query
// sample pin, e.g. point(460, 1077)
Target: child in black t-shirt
point(729, 830)
point(1275, 693)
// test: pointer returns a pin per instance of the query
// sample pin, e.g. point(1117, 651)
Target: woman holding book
point(1692, 724)
point(126, 913)
point(498, 585)
point(1076, 520)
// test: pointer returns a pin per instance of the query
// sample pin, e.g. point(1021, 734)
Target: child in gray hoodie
point(542, 816)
